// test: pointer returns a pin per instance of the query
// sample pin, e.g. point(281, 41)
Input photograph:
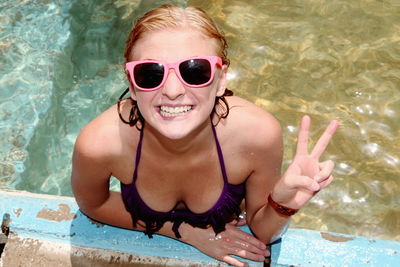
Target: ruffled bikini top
point(223, 211)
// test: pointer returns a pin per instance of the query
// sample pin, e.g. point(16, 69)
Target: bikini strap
point(138, 153)
point(219, 151)
point(220, 155)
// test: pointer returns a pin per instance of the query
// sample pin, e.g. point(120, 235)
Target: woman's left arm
point(305, 176)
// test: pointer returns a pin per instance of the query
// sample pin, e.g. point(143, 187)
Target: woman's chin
point(175, 131)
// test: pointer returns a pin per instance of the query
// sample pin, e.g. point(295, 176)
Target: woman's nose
point(173, 87)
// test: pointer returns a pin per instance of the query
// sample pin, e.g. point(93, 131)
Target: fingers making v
point(324, 140)
point(302, 140)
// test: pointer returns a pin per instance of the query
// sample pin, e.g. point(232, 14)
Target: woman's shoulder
point(103, 136)
point(251, 124)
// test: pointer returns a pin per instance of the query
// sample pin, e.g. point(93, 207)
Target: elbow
point(89, 211)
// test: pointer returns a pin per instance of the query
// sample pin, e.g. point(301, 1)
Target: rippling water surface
point(329, 59)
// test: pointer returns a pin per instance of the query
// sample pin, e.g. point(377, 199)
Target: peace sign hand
point(306, 175)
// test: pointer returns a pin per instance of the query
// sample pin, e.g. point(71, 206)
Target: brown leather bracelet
point(282, 210)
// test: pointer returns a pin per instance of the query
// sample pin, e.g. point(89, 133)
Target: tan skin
point(251, 142)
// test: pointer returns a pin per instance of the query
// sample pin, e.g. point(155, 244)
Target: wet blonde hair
point(169, 16)
point(166, 17)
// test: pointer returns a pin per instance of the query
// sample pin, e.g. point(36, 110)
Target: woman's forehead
point(183, 40)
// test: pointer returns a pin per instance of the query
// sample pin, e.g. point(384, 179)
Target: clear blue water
point(60, 66)
point(59, 69)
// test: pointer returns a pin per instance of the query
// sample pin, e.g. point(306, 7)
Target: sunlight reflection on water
point(332, 60)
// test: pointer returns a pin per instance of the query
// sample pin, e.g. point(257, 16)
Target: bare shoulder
point(100, 138)
point(252, 125)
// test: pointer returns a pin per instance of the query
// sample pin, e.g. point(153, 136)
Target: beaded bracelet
point(282, 210)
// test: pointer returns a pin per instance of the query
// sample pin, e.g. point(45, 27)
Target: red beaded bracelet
point(282, 210)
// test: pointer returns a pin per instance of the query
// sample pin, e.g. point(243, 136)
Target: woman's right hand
point(232, 241)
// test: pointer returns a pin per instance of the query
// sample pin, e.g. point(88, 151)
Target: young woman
point(187, 152)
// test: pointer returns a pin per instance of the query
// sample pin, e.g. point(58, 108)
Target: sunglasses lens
point(195, 71)
point(148, 75)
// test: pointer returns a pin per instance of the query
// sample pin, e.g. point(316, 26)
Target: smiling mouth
point(167, 111)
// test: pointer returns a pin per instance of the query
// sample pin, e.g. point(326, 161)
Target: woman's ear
point(223, 82)
point(131, 90)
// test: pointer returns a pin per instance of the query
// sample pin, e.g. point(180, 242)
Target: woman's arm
point(267, 146)
point(303, 179)
point(90, 184)
point(90, 178)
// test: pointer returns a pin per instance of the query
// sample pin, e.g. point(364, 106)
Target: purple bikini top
point(223, 211)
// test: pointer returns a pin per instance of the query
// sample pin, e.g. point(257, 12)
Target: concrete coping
point(46, 229)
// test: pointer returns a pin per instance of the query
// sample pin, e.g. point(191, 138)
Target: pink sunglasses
point(151, 75)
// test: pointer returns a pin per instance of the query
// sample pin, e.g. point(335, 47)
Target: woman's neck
point(197, 140)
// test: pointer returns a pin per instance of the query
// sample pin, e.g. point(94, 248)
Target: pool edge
point(55, 222)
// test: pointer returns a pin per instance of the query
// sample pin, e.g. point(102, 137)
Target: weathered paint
point(336, 238)
point(58, 220)
point(309, 248)
point(63, 213)
point(28, 252)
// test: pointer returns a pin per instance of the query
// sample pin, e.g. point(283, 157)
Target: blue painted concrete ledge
point(58, 219)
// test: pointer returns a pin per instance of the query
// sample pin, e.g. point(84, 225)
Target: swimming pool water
point(60, 66)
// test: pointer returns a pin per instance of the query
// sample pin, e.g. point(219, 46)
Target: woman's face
point(176, 110)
